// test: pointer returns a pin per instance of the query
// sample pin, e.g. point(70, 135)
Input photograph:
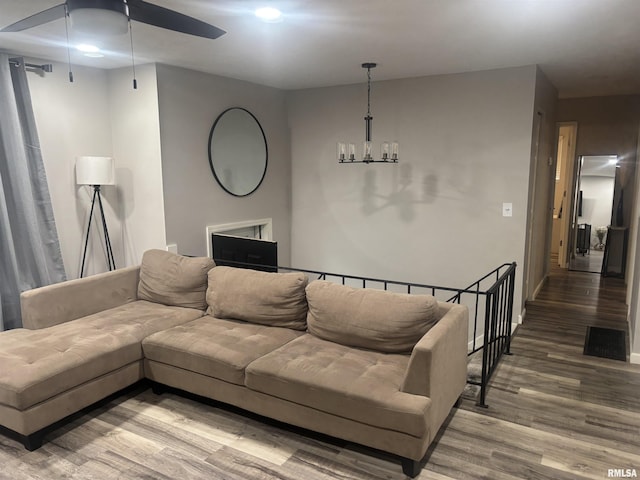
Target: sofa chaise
point(376, 368)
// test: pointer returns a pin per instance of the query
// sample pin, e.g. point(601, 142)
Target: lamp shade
point(95, 171)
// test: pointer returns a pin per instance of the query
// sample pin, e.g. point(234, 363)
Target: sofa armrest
point(438, 364)
point(61, 302)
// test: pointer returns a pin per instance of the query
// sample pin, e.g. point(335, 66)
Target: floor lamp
point(96, 171)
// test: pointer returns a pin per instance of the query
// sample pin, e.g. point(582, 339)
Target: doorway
point(593, 211)
point(563, 194)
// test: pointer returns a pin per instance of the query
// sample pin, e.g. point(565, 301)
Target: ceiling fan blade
point(144, 12)
point(45, 16)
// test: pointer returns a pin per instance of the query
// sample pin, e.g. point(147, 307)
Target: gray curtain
point(29, 247)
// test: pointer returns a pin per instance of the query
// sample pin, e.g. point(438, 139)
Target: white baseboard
point(635, 358)
point(480, 338)
point(479, 342)
point(538, 288)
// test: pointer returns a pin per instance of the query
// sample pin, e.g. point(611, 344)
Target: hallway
point(553, 413)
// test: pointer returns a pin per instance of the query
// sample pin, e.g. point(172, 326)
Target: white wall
point(100, 114)
point(634, 302)
point(72, 120)
point(597, 200)
point(541, 183)
point(436, 217)
point(136, 148)
point(189, 103)
point(633, 292)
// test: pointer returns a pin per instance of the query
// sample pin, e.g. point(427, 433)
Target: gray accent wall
point(436, 217)
point(189, 103)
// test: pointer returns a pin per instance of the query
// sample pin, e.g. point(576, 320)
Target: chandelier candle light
point(388, 150)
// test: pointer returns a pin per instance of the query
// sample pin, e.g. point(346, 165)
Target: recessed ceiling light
point(269, 14)
point(94, 55)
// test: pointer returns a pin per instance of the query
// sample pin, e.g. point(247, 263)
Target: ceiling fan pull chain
point(66, 27)
point(133, 61)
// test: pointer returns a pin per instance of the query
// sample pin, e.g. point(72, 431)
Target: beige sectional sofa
point(372, 367)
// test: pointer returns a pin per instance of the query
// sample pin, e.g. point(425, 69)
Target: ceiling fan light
point(87, 48)
point(98, 22)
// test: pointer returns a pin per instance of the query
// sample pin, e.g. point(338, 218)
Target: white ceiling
point(585, 47)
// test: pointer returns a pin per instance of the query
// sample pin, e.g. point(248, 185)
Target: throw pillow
point(275, 299)
point(369, 318)
point(173, 279)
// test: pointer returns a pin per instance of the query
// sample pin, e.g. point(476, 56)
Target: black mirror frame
point(266, 152)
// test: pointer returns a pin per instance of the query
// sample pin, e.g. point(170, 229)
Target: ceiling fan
point(112, 16)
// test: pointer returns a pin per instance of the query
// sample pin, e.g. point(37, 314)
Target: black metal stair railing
point(496, 322)
point(489, 299)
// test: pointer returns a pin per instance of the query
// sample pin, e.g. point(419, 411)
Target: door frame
point(569, 194)
point(529, 287)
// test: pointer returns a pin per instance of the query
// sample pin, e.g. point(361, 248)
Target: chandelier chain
point(66, 28)
point(369, 91)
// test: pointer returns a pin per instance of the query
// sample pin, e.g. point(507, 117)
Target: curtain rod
point(45, 67)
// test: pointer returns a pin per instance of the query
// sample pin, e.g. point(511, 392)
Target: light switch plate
point(507, 209)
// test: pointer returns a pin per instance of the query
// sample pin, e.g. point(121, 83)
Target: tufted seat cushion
point(361, 385)
point(39, 364)
point(215, 347)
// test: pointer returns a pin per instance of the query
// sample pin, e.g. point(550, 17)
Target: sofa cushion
point(275, 299)
point(173, 279)
point(368, 318)
point(214, 347)
point(39, 364)
point(360, 385)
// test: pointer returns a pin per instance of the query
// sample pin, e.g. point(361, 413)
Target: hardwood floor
point(553, 414)
point(588, 262)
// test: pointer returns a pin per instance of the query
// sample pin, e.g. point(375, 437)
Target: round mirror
point(238, 151)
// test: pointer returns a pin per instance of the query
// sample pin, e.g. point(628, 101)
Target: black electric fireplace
point(244, 252)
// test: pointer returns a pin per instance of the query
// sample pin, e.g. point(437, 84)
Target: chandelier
point(388, 150)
